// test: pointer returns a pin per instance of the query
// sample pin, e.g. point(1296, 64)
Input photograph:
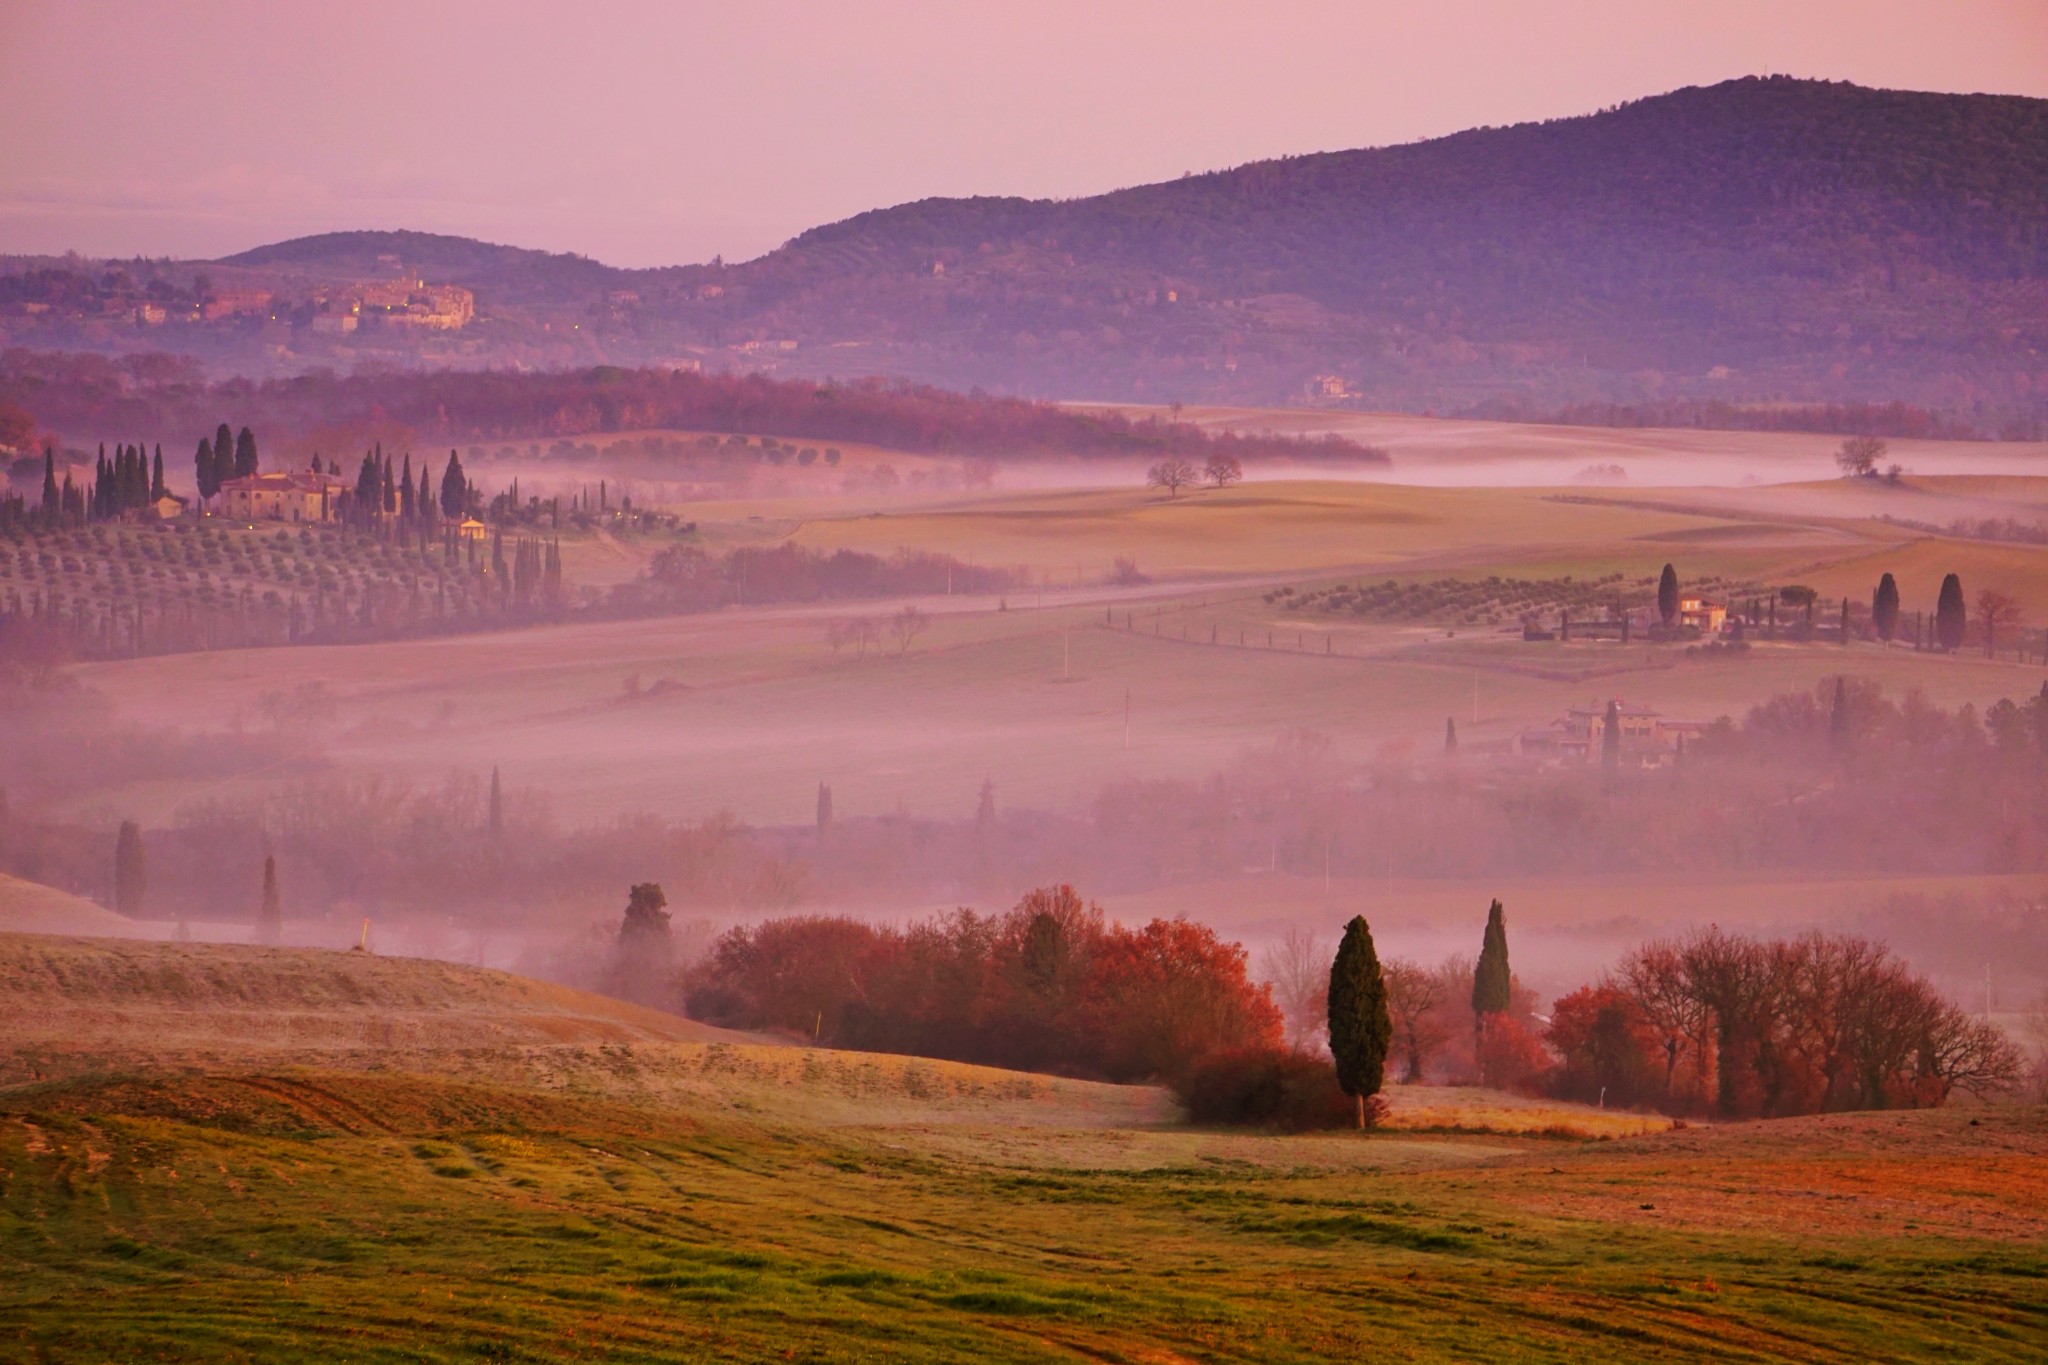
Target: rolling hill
point(1758, 241)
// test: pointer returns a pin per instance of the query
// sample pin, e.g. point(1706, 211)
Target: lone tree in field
point(1884, 608)
point(1223, 470)
point(1450, 734)
point(1172, 474)
point(131, 874)
point(643, 959)
point(1361, 1030)
point(269, 914)
point(1667, 596)
point(907, 625)
point(1995, 609)
point(497, 810)
point(1857, 456)
point(1950, 615)
point(1491, 981)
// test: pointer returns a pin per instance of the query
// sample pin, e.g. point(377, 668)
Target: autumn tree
point(1951, 617)
point(1667, 596)
point(131, 873)
point(1361, 1030)
point(1884, 608)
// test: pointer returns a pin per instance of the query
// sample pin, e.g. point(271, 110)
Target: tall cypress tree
point(1839, 732)
point(131, 872)
point(405, 503)
point(270, 913)
point(51, 505)
point(1950, 615)
point(1361, 1028)
point(1667, 596)
point(497, 815)
point(454, 488)
point(1884, 608)
point(223, 454)
point(202, 470)
point(1610, 737)
point(245, 453)
point(1491, 980)
point(1450, 734)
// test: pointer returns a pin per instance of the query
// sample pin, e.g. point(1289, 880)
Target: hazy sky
point(669, 131)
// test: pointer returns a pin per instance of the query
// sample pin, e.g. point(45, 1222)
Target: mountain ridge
point(1760, 240)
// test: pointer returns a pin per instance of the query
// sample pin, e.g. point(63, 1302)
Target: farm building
point(301, 495)
point(1708, 618)
point(1648, 740)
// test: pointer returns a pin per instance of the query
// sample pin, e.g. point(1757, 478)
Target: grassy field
point(654, 1199)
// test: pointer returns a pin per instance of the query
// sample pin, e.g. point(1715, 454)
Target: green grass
point(603, 1235)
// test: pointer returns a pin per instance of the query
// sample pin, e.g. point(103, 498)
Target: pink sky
point(662, 133)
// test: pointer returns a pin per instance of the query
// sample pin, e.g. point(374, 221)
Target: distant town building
point(472, 529)
point(300, 496)
point(230, 303)
point(412, 302)
point(1329, 386)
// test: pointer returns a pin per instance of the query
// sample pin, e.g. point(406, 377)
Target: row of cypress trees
point(229, 455)
point(1362, 1025)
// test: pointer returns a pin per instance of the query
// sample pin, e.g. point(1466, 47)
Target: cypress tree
point(1491, 979)
point(245, 453)
point(1610, 737)
point(454, 488)
point(1884, 608)
point(424, 499)
point(1361, 1029)
point(824, 808)
point(51, 506)
point(157, 488)
point(131, 873)
point(1839, 733)
point(1667, 596)
point(1450, 734)
point(497, 816)
point(270, 913)
point(1950, 615)
point(223, 454)
point(202, 470)
point(405, 502)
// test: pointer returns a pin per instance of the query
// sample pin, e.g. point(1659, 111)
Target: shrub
point(1265, 1087)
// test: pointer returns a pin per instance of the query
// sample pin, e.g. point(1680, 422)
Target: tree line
point(76, 392)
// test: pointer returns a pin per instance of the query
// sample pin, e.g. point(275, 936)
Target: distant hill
point(1763, 237)
point(1753, 242)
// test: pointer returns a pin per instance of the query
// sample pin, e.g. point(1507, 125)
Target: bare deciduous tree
point(1996, 609)
point(1298, 969)
point(1172, 474)
point(907, 625)
point(1223, 470)
point(1415, 996)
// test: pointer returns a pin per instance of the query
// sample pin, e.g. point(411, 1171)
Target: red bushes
point(1048, 986)
point(1266, 1088)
